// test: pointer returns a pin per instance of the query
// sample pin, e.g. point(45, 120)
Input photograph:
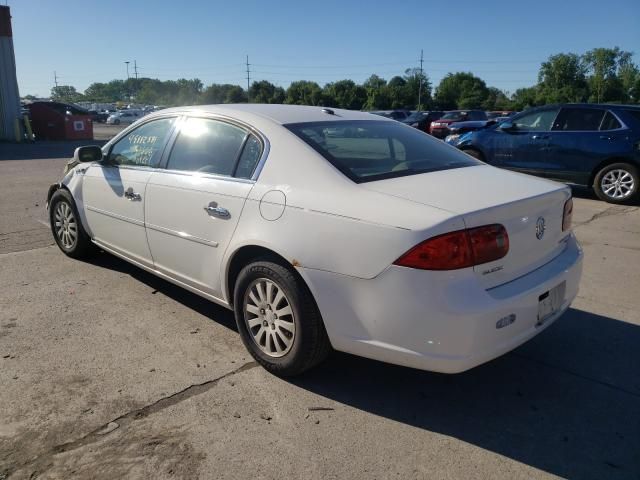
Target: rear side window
point(368, 150)
point(251, 153)
point(610, 122)
point(208, 146)
point(579, 119)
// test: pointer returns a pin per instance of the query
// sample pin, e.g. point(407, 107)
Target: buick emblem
point(540, 228)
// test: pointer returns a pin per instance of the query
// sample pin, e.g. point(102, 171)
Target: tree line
point(605, 75)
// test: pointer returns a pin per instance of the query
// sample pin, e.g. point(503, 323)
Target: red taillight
point(567, 215)
point(459, 249)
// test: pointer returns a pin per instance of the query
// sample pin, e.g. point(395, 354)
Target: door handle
point(606, 137)
point(540, 137)
point(131, 195)
point(215, 211)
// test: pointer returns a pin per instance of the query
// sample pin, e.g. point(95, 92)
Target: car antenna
point(328, 111)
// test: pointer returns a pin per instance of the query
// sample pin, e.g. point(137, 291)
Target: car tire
point(278, 319)
point(66, 226)
point(116, 122)
point(474, 153)
point(617, 183)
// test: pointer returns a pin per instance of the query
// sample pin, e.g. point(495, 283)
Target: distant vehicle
point(500, 113)
point(420, 256)
point(440, 128)
point(422, 120)
point(124, 117)
point(393, 114)
point(585, 144)
point(457, 129)
point(99, 115)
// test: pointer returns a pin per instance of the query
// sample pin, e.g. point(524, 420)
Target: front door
point(193, 206)
point(113, 191)
point(526, 146)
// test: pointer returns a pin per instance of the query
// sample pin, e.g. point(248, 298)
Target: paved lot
point(107, 372)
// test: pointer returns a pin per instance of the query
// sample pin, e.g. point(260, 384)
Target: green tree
point(603, 66)
point(304, 92)
point(496, 100)
point(562, 79)
point(461, 90)
point(65, 93)
point(344, 94)
point(377, 94)
point(524, 98)
point(223, 93)
point(266, 92)
point(417, 80)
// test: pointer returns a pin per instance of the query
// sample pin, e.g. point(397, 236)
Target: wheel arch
point(605, 163)
point(244, 254)
point(465, 148)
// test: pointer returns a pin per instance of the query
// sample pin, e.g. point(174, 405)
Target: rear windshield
point(453, 115)
point(368, 150)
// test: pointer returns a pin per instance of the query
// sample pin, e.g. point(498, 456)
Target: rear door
point(193, 205)
point(577, 145)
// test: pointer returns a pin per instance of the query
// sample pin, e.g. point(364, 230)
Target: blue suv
point(584, 144)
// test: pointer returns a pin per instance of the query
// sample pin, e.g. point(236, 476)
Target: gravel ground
point(108, 372)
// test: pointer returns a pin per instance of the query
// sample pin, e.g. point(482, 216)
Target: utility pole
point(135, 69)
point(55, 78)
point(248, 79)
point(420, 85)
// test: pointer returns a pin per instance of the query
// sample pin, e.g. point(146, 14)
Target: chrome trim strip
point(213, 176)
point(140, 223)
point(183, 235)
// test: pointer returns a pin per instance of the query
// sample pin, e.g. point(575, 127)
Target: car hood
point(464, 190)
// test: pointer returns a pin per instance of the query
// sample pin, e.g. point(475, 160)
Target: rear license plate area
point(550, 302)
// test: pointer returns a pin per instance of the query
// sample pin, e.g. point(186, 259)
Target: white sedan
point(325, 228)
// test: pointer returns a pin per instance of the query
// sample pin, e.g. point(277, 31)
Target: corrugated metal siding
point(9, 95)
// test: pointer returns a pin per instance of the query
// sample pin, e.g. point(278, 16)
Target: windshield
point(367, 150)
point(416, 117)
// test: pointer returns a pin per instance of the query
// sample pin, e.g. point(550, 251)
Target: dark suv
point(585, 144)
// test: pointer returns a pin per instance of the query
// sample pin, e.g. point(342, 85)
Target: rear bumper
point(438, 321)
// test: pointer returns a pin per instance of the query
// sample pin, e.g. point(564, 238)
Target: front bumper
point(439, 132)
point(438, 321)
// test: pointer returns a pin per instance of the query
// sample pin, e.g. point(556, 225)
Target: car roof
point(281, 114)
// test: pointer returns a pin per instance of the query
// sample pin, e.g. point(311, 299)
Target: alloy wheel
point(65, 225)
point(617, 184)
point(269, 317)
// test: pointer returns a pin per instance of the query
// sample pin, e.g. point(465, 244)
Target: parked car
point(422, 120)
point(124, 117)
point(440, 128)
point(100, 116)
point(457, 129)
point(584, 144)
point(393, 114)
point(500, 114)
point(420, 256)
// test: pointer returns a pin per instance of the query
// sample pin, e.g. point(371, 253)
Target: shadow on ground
point(45, 149)
point(214, 312)
point(565, 402)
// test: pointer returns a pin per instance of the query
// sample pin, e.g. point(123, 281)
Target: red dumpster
point(60, 121)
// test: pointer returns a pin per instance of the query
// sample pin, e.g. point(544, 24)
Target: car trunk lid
point(530, 208)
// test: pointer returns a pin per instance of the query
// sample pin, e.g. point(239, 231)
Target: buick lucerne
point(326, 228)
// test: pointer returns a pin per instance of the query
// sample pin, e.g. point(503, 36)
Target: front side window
point(208, 146)
point(368, 150)
point(538, 121)
point(573, 119)
point(142, 147)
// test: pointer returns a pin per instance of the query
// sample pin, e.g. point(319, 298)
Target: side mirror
point(507, 126)
point(90, 153)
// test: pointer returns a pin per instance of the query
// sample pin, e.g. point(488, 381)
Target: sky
point(503, 42)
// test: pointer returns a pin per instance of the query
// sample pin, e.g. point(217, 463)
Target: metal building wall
point(9, 96)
